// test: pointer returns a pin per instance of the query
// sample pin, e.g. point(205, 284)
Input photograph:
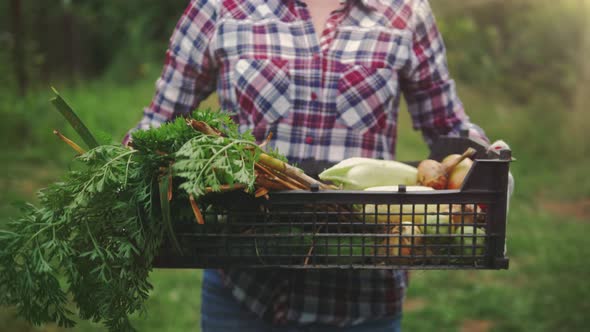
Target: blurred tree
point(522, 47)
point(18, 46)
point(63, 39)
point(42, 39)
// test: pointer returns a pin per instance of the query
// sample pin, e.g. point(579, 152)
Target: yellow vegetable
point(402, 241)
point(385, 213)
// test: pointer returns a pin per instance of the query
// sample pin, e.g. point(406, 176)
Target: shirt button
point(314, 96)
point(308, 140)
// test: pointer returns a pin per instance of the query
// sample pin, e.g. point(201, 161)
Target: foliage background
point(523, 75)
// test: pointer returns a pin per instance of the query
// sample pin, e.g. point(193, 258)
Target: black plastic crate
point(355, 229)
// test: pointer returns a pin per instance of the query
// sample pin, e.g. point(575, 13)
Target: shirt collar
point(368, 3)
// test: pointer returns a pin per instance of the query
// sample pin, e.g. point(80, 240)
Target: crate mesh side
point(320, 235)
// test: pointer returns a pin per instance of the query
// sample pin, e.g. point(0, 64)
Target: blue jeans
point(220, 312)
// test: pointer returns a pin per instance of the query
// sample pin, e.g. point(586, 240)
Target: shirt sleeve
point(428, 89)
point(189, 73)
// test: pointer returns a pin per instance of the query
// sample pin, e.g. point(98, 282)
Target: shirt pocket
point(262, 88)
point(364, 97)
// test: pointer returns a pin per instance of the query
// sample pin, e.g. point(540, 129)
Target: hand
point(497, 146)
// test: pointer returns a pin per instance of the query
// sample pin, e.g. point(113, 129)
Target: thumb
point(498, 145)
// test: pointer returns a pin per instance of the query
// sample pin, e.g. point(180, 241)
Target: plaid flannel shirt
point(327, 99)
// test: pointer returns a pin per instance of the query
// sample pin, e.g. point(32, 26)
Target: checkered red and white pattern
point(327, 99)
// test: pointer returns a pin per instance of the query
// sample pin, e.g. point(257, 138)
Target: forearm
point(437, 110)
point(189, 72)
point(179, 90)
point(430, 92)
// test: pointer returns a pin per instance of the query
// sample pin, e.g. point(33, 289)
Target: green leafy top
point(95, 234)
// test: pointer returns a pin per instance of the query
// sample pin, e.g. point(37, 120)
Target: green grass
point(545, 289)
point(174, 304)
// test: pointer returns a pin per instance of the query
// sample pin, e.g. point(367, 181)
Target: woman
point(325, 77)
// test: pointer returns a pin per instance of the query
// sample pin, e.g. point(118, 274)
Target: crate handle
point(314, 187)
